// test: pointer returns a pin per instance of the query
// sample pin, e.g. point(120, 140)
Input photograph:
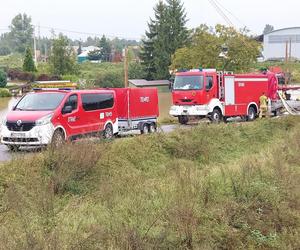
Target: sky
point(128, 18)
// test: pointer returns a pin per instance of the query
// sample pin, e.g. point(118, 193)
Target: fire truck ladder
point(221, 85)
point(288, 108)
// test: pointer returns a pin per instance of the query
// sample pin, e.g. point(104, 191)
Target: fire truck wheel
point(145, 129)
point(108, 132)
point(152, 128)
point(13, 148)
point(216, 116)
point(183, 119)
point(251, 114)
point(57, 139)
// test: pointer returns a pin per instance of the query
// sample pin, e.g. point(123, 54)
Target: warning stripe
point(251, 79)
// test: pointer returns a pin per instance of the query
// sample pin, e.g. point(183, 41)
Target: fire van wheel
point(145, 129)
point(58, 139)
point(183, 119)
point(216, 116)
point(152, 128)
point(13, 148)
point(251, 114)
point(108, 132)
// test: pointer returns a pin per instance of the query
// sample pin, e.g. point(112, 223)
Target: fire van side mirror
point(67, 109)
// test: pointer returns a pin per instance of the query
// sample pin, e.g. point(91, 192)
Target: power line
point(87, 33)
point(221, 13)
point(222, 6)
point(38, 27)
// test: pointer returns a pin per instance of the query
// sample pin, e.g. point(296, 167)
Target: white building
point(275, 44)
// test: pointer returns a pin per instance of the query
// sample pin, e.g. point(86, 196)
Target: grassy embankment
point(213, 187)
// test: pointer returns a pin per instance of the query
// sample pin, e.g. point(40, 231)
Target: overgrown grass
point(232, 186)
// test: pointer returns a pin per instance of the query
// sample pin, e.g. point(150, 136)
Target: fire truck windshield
point(188, 83)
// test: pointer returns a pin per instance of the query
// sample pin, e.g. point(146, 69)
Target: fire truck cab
point(219, 95)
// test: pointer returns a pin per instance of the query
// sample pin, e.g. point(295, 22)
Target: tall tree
point(21, 32)
point(167, 33)
point(28, 64)
point(178, 33)
point(62, 58)
point(152, 44)
point(268, 28)
point(105, 47)
point(79, 50)
point(3, 78)
point(206, 47)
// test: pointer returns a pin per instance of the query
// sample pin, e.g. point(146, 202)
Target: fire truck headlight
point(44, 120)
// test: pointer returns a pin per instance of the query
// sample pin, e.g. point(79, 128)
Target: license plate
point(18, 135)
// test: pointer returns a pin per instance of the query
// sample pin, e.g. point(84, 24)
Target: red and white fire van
point(53, 116)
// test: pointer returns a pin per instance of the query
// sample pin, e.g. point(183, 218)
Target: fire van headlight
point(173, 108)
point(44, 120)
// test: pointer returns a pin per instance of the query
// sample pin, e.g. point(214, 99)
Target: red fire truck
point(219, 95)
point(53, 116)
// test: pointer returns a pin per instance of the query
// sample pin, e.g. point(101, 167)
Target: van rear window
point(97, 101)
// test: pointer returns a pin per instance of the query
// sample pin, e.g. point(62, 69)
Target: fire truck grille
point(24, 126)
point(186, 100)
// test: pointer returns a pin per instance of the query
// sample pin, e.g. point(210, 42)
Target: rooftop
point(145, 83)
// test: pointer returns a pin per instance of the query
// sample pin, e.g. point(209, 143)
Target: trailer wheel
point(152, 128)
point(145, 129)
point(108, 132)
point(251, 114)
point(58, 138)
point(183, 119)
point(216, 116)
point(13, 148)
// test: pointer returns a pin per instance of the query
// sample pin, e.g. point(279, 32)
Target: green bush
point(5, 93)
point(3, 78)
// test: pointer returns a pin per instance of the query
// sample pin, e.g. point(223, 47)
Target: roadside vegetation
point(232, 186)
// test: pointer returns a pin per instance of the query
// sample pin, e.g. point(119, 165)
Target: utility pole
point(126, 68)
point(286, 61)
point(34, 47)
point(290, 50)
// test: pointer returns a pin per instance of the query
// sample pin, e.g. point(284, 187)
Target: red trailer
point(137, 109)
point(217, 95)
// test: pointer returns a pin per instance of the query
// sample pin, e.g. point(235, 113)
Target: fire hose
point(288, 108)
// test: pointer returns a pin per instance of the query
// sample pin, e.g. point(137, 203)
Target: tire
point(251, 114)
point(13, 148)
point(216, 116)
point(58, 139)
point(152, 128)
point(108, 132)
point(145, 129)
point(183, 119)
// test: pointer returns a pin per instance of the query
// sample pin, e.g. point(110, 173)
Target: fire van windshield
point(188, 83)
point(40, 101)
